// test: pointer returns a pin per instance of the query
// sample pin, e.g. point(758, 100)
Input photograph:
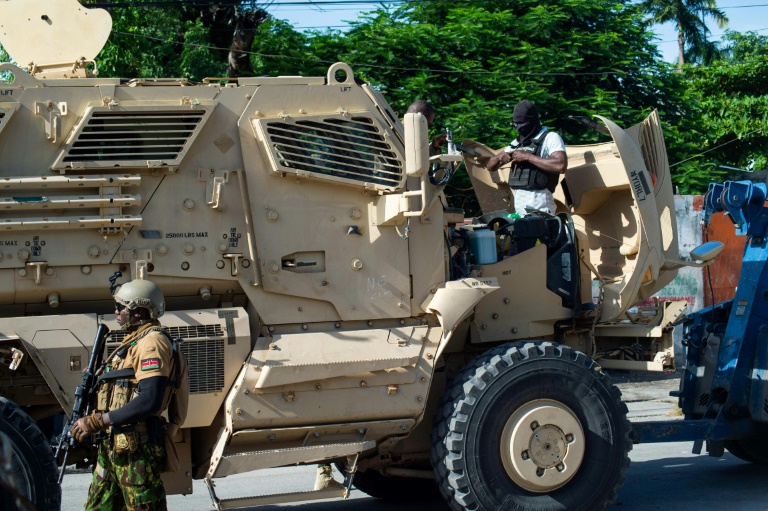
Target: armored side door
point(317, 153)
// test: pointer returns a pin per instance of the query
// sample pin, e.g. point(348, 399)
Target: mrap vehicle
point(332, 306)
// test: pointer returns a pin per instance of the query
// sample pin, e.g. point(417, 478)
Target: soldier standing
point(135, 388)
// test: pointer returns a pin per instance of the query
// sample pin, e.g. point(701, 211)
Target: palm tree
point(688, 17)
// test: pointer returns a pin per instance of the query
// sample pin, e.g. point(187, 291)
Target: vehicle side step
point(281, 498)
point(255, 460)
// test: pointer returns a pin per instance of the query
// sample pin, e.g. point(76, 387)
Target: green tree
point(4, 76)
point(689, 18)
point(732, 112)
point(475, 60)
point(191, 40)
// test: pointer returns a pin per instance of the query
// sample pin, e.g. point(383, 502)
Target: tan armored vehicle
point(332, 307)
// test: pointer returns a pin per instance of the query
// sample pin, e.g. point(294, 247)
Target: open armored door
point(620, 197)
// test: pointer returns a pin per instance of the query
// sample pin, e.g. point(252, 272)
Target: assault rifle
point(82, 396)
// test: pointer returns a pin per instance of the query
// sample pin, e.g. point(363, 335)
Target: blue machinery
point(724, 391)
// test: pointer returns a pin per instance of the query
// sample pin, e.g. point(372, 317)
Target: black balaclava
point(525, 111)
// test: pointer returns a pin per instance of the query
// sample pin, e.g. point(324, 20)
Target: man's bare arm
point(557, 162)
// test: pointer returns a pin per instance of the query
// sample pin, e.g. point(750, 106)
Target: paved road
point(661, 476)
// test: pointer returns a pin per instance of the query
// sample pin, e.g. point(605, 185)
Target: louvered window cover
point(355, 149)
point(136, 137)
point(205, 356)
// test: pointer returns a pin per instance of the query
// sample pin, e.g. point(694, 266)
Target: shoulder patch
point(149, 364)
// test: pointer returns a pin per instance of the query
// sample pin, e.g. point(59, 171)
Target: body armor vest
point(526, 176)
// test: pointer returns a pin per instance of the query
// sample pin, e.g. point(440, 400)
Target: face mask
point(526, 129)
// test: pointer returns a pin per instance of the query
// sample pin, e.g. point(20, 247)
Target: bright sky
point(744, 16)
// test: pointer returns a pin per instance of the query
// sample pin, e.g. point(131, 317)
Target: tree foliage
point(689, 18)
point(475, 60)
point(732, 106)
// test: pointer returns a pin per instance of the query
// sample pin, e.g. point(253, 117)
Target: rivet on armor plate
point(22, 272)
point(356, 214)
point(506, 300)
point(188, 204)
point(337, 325)
point(239, 411)
point(188, 248)
point(273, 346)
point(24, 254)
point(423, 379)
point(363, 383)
point(495, 316)
point(514, 330)
point(221, 247)
point(419, 399)
point(370, 323)
point(93, 251)
point(49, 271)
point(220, 264)
point(316, 434)
point(272, 215)
point(402, 321)
point(85, 270)
point(357, 265)
point(161, 249)
point(305, 327)
point(317, 387)
point(430, 356)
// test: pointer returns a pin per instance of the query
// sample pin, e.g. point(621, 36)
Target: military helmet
point(142, 293)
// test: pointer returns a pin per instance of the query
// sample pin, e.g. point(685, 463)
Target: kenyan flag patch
point(148, 364)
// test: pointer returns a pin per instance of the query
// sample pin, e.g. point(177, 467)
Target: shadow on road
point(362, 504)
point(694, 483)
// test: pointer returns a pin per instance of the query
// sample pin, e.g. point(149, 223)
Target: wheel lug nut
point(540, 472)
point(534, 425)
point(525, 455)
point(560, 467)
point(569, 438)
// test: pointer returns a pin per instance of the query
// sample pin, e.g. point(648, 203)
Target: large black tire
point(33, 467)
point(529, 426)
point(751, 450)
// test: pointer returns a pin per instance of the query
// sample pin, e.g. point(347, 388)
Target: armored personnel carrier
point(334, 308)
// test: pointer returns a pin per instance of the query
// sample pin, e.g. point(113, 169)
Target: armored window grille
point(133, 137)
point(354, 150)
point(205, 356)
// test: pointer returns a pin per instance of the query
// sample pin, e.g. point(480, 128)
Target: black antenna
point(113, 281)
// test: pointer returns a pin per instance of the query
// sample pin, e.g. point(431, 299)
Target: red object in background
point(724, 272)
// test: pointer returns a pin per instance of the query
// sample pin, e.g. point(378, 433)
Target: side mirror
point(707, 251)
point(416, 145)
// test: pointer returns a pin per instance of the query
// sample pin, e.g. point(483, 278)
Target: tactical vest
point(118, 387)
point(527, 176)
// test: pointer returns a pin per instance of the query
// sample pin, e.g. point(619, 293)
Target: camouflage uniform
point(131, 480)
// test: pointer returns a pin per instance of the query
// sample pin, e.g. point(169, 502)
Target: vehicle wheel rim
point(542, 445)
